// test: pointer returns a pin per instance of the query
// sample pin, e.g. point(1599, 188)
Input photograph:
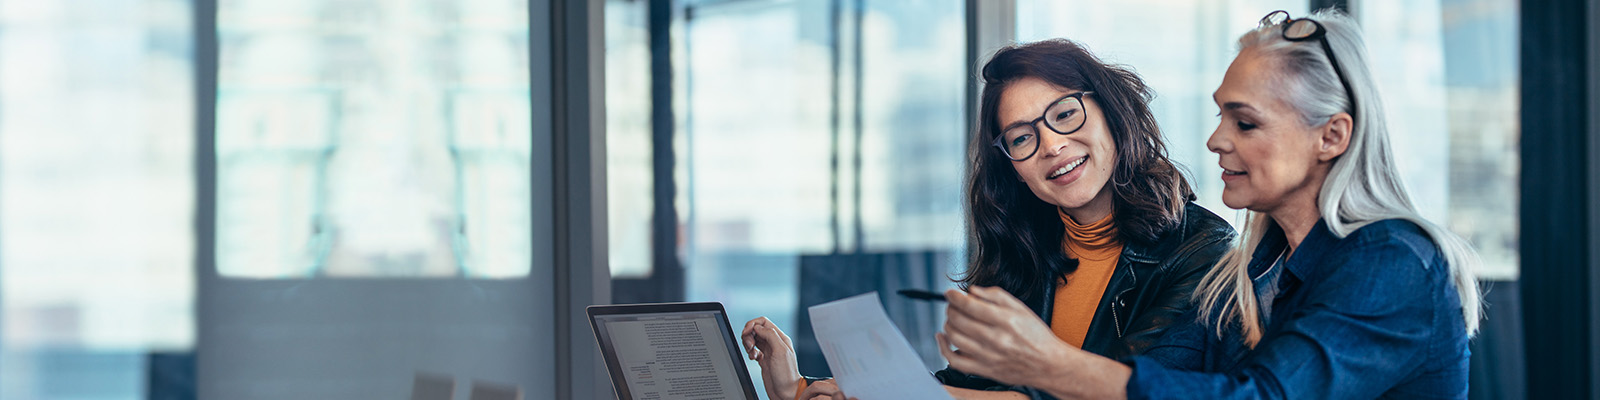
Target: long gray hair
point(1363, 186)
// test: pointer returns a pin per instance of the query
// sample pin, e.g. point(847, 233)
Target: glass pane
point(1197, 40)
point(96, 194)
point(628, 171)
point(808, 142)
point(755, 154)
point(1461, 160)
point(373, 138)
point(914, 136)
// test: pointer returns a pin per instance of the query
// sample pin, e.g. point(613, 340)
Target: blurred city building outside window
point(96, 194)
point(628, 150)
point(1451, 79)
point(373, 139)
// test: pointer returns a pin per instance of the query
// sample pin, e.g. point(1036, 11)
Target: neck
point(1297, 215)
point(1296, 223)
point(1097, 208)
point(1298, 212)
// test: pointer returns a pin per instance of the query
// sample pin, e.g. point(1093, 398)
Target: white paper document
point(870, 358)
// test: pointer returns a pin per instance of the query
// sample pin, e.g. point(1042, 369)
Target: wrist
point(1078, 374)
point(799, 387)
point(1063, 363)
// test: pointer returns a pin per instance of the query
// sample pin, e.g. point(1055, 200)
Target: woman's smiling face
point(1068, 171)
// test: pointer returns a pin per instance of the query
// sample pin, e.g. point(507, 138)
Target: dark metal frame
point(205, 166)
point(858, 229)
point(1593, 155)
point(667, 269)
point(581, 270)
point(665, 283)
point(1559, 206)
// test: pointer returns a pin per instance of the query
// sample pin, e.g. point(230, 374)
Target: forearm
point(1084, 375)
point(970, 394)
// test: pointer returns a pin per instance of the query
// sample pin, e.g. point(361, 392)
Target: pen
point(919, 294)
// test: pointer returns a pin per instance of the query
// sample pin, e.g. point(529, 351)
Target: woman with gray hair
point(1337, 288)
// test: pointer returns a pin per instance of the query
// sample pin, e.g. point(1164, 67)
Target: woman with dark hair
point(1073, 207)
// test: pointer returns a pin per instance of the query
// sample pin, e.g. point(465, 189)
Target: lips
point(1231, 174)
point(1066, 167)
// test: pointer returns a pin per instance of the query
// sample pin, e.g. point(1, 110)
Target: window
point(365, 138)
point(96, 194)
point(628, 146)
point(1450, 77)
point(809, 134)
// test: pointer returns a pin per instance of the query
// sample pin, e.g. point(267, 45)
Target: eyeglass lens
point(1063, 117)
point(1273, 18)
point(1300, 29)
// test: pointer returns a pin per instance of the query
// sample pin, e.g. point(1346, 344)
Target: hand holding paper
point(869, 357)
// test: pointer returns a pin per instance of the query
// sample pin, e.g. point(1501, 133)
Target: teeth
point(1067, 168)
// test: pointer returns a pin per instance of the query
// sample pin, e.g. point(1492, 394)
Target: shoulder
point(1198, 221)
point(1394, 257)
point(1199, 242)
point(1390, 241)
point(1204, 232)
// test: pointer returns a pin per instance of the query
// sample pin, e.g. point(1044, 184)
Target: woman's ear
point(1335, 137)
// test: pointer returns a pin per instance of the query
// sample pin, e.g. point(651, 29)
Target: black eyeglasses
point(1064, 116)
point(1296, 30)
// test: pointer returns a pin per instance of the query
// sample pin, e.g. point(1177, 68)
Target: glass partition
point(96, 195)
point(1450, 74)
point(368, 138)
point(811, 136)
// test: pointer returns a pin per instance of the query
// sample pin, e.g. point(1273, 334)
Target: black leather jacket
point(1150, 288)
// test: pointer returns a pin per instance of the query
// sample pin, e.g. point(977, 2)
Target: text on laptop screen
point(675, 355)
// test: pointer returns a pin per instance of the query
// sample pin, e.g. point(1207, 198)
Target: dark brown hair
point(1017, 237)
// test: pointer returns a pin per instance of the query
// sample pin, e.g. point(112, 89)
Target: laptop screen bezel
point(614, 367)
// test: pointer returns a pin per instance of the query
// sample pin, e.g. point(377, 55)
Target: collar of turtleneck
point(1096, 241)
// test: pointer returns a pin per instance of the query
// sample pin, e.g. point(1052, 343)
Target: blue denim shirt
point(1372, 315)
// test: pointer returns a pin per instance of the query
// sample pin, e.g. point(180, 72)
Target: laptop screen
point(667, 354)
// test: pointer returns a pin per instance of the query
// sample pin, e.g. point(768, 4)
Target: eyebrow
point(1234, 105)
point(1014, 124)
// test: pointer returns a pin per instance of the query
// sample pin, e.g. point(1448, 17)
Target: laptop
point(671, 351)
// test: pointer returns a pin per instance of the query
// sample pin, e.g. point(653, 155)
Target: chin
point(1234, 202)
point(1070, 201)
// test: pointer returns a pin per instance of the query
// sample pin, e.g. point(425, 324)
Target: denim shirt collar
point(1304, 260)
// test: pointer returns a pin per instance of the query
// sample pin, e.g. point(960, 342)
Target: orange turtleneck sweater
point(1097, 249)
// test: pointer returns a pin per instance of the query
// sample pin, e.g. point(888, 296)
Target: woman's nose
point(1053, 143)
point(1056, 149)
point(1215, 143)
